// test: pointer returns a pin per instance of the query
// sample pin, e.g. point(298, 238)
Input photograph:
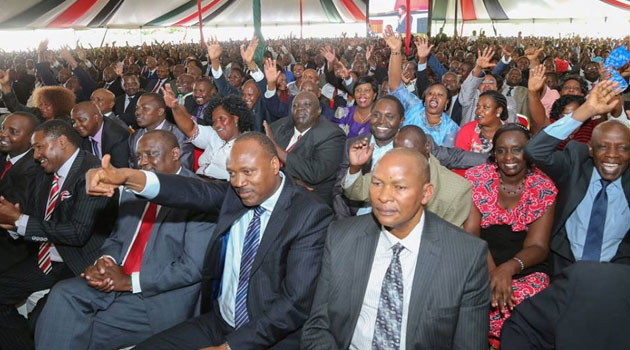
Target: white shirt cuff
point(106, 256)
point(422, 66)
point(506, 61)
point(20, 224)
point(350, 179)
point(348, 81)
point(135, 282)
point(270, 93)
point(257, 75)
point(151, 187)
point(216, 74)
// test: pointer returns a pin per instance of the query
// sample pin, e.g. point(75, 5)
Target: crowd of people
point(459, 193)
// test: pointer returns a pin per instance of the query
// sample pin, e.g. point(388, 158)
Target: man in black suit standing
point(64, 224)
point(17, 177)
point(125, 107)
point(263, 258)
point(402, 278)
point(310, 147)
point(593, 184)
point(100, 135)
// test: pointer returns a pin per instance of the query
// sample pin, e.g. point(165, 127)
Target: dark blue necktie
point(95, 150)
point(595, 234)
point(387, 330)
point(250, 247)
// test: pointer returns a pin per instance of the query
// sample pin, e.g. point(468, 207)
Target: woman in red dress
point(513, 211)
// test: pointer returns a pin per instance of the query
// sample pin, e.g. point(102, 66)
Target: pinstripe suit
point(283, 273)
point(450, 297)
point(78, 227)
point(185, 147)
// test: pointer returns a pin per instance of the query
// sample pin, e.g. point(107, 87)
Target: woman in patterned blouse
point(355, 120)
point(513, 211)
point(490, 114)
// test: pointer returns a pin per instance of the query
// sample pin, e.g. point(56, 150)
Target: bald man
point(452, 195)
point(136, 295)
point(401, 278)
point(310, 147)
point(100, 135)
point(593, 220)
point(105, 100)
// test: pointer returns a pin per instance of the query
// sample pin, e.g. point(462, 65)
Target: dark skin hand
point(9, 214)
point(105, 276)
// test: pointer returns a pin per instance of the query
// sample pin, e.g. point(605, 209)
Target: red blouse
point(538, 195)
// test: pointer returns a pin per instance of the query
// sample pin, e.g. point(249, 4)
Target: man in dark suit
point(17, 178)
point(558, 317)
point(310, 147)
point(64, 224)
point(152, 116)
point(263, 258)
point(197, 104)
point(152, 276)
point(125, 107)
point(100, 135)
point(163, 77)
point(112, 81)
point(402, 277)
point(105, 101)
point(593, 181)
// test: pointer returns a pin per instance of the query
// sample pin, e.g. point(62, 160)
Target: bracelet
point(520, 262)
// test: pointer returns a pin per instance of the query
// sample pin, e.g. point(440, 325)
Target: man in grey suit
point(401, 278)
point(148, 277)
point(151, 115)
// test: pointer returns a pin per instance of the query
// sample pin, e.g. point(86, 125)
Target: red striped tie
point(43, 257)
point(7, 166)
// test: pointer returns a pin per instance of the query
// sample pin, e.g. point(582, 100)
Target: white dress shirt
point(16, 158)
point(21, 223)
point(364, 330)
point(296, 135)
point(216, 151)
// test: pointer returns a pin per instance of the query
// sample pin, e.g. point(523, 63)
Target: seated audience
point(491, 113)
point(151, 115)
point(264, 257)
point(100, 135)
point(230, 118)
point(513, 211)
point(125, 107)
point(452, 197)
point(402, 277)
point(593, 219)
point(105, 101)
point(64, 226)
point(355, 120)
point(148, 277)
point(309, 146)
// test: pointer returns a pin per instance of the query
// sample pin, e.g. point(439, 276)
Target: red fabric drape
point(73, 13)
point(200, 11)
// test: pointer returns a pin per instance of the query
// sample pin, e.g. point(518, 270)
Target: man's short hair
point(32, 120)
point(156, 97)
point(265, 142)
point(56, 127)
point(166, 137)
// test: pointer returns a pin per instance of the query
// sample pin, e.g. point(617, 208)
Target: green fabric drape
point(260, 50)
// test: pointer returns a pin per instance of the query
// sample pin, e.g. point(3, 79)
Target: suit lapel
point(73, 174)
point(285, 132)
point(276, 222)
point(427, 264)
point(364, 250)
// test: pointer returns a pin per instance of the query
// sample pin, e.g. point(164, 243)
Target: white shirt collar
point(65, 168)
point(298, 133)
point(270, 202)
point(411, 242)
point(17, 158)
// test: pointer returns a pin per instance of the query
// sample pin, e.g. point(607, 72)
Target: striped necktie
point(250, 247)
point(43, 257)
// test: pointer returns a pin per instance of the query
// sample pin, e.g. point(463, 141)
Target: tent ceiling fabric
point(143, 13)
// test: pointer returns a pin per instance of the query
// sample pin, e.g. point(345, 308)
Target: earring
point(498, 115)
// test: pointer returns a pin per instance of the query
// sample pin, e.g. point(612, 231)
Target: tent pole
point(203, 42)
point(367, 19)
point(429, 16)
point(104, 35)
point(455, 23)
point(301, 23)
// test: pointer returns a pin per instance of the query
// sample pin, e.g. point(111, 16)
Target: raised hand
point(484, 58)
point(344, 73)
point(271, 72)
point(43, 46)
point(602, 98)
point(532, 54)
point(118, 69)
point(103, 182)
point(536, 78)
point(422, 46)
point(170, 99)
point(368, 53)
point(329, 54)
point(214, 49)
point(506, 51)
point(5, 79)
point(247, 53)
point(359, 154)
point(393, 39)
